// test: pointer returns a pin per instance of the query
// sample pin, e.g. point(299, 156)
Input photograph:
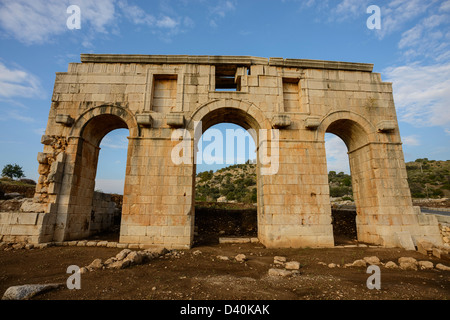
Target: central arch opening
point(226, 193)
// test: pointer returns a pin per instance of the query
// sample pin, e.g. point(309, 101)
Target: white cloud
point(421, 93)
point(15, 115)
point(411, 141)
point(220, 10)
point(397, 13)
point(116, 141)
point(167, 22)
point(136, 14)
point(18, 83)
point(38, 21)
point(349, 8)
point(428, 38)
point(164, 25)
point(421, 85)
point(445, 6)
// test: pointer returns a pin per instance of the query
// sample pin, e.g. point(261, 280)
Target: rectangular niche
point(164, 96)
point(228, 77)
point(291, 94)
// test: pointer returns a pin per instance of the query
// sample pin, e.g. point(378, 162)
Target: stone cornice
point(232, 60)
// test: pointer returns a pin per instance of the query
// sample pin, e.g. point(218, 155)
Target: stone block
point(386, 126)
point(46, 139)
point(405, 241)
point(175, 120)
point(24, 218)
point(425, 247)
point(312, 123)
point(281, 121)
point(42, 158)
point(64, 119)
point(144, 120)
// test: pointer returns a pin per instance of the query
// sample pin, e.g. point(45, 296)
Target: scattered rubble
point(27, 291)
point(126, 258)
point(426, 265)
point(407, 263)
point(391, 265)
point(223, 258)
point(240, 257)
point(279, 260)
point(372, 260)
point(440, 266)
point(290, 267)
point(404, 263)
point(359, 263)
point(280, 272)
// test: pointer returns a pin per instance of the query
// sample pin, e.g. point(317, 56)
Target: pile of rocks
point(445, 232)
point(283, 267)
point(404, 263)
point(408, 263)
point(429, 249)
point(125, 259)
point(75, 243)
point(7, 246)
point(239, 258)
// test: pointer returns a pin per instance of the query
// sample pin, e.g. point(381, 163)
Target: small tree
point(13, 171)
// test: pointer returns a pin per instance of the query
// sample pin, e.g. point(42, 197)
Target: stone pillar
point(158, 197)
point(297, 211)
point(384, 207)
point(74, 201)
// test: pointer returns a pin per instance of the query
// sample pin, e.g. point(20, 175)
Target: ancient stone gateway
point(152, 96)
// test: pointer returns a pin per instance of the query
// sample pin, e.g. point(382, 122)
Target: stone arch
point(352, 128)
point(358, 134)
point(253, 117)
point(80, 168)
point(241, 113)
point(106, 118)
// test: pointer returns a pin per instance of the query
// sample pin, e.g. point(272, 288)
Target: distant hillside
point(429, 178)
point(426, 178)
point(25, 187)
point(233, 183)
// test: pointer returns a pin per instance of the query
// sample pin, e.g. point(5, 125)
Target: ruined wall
point(104, 213)
point(154, 96)
point(25, 224)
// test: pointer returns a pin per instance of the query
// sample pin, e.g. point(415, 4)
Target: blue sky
point(412, 49)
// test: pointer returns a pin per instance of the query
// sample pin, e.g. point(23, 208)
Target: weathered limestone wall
point(153, 96)
point(103, 213)
point(28, 224)
point(158, 196)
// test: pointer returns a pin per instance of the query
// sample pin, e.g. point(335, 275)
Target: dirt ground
point(197, 274)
